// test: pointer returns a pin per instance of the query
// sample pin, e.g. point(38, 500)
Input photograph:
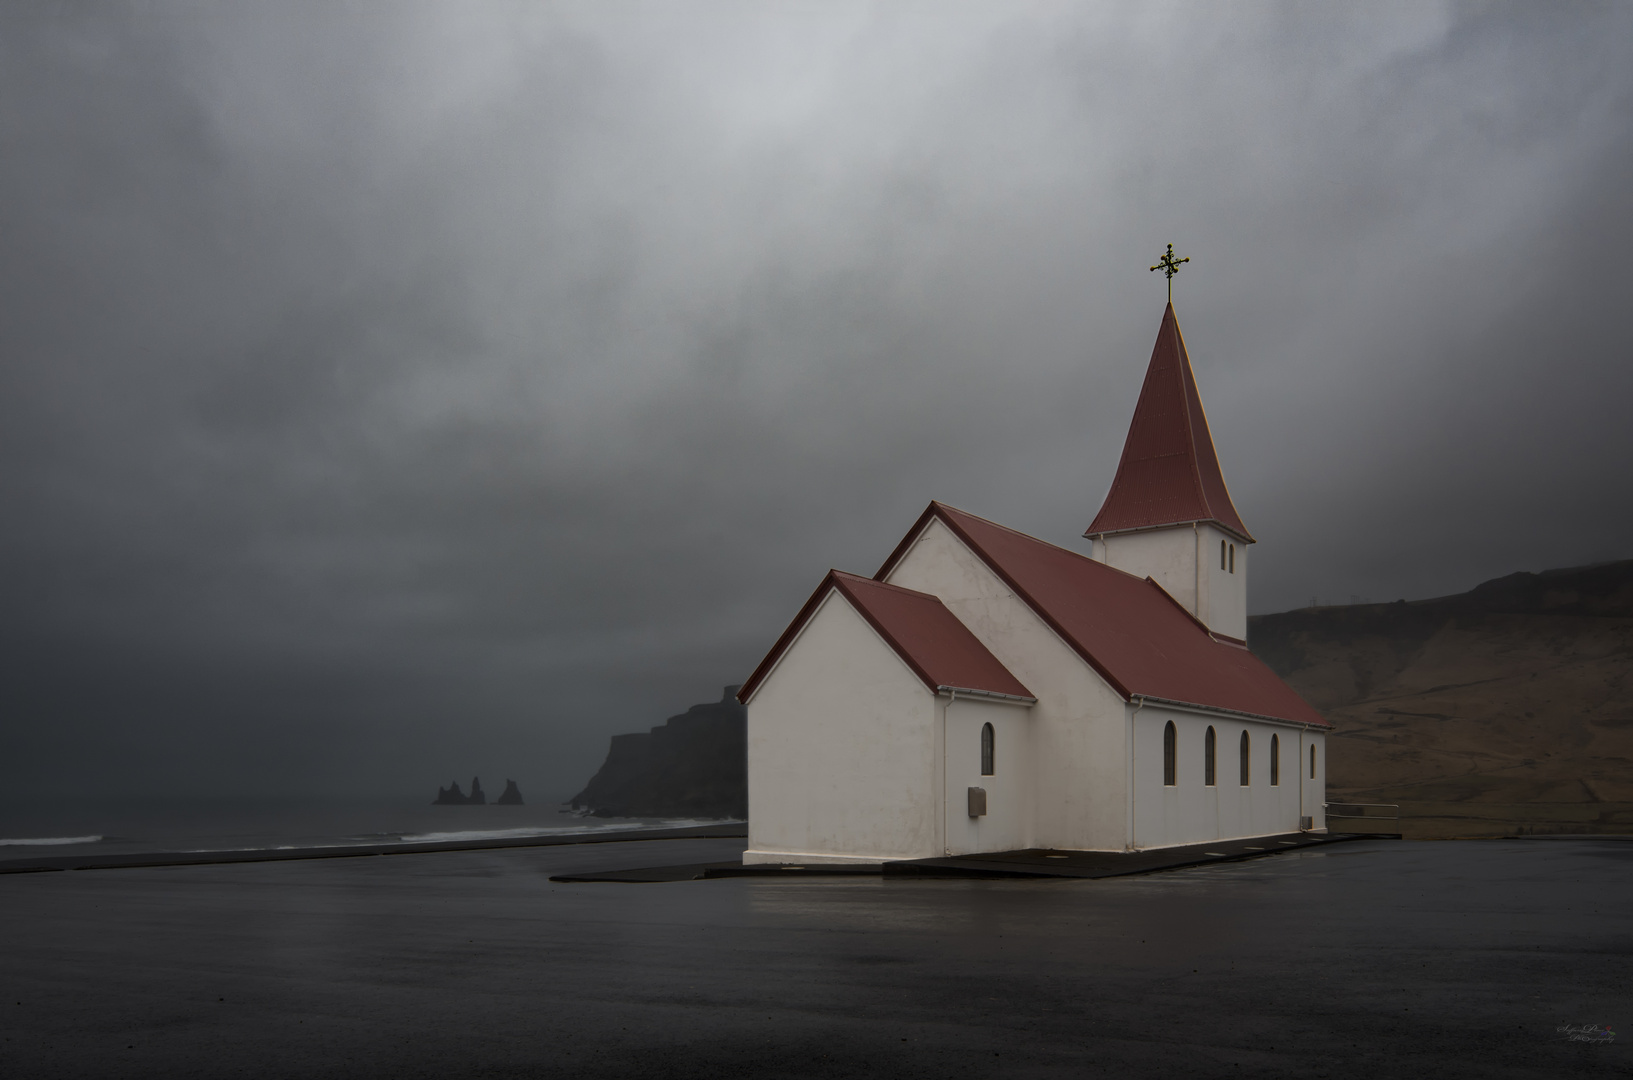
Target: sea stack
point(512, 795)
point(450, 796)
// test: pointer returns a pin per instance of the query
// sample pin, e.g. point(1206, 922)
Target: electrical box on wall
point(978, 802)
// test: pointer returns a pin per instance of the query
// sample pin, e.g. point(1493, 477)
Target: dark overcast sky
point(390, 392)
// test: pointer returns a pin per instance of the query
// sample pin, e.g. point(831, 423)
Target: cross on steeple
point(1169, 267)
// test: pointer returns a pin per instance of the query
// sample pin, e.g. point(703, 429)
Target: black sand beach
point(1368, 959)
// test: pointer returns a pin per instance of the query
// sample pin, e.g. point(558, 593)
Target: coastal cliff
point(692, 765)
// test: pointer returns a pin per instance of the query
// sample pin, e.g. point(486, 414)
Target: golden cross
point(1169, 267)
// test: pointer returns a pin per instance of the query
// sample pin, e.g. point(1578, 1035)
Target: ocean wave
point(379, 840)
point(50, 841)
point(557, 830)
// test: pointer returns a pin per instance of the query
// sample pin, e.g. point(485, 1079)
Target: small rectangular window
point(1221, 554)
point(1233, 558)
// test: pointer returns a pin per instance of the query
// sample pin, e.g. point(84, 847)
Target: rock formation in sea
point(512, 795)
point(692, 765)
point(452, 796)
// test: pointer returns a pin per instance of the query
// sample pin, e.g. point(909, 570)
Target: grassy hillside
point(1506, 709)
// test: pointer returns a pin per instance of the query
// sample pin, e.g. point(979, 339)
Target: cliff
point(692, 765)
point(1503, 709)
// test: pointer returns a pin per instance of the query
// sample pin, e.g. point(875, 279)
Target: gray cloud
point(392, 394)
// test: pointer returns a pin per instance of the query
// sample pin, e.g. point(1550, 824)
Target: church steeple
point(1168, 515)
point(1169, 473)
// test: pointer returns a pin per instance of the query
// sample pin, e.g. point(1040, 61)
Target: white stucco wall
point(1168, 555)
point(1078, 729)
point(1224, 594)
point(1007, 825)
point(844, 755)
point(1315, 788)
point(1192, 812)
point(1185, 561)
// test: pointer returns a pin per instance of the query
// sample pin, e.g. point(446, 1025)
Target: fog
point(397, 392)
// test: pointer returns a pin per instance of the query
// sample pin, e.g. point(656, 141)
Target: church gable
point(1127, 629)
point(934, 559)
point(842, 746)
point(929, 639)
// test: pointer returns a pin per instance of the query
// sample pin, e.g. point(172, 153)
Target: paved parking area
point(1365, 959)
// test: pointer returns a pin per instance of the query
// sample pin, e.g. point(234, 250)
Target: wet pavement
point(1373, 958)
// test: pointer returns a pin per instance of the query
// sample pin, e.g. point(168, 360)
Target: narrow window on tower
point(1275, 760)
point(986, 749)
point(1312, 762)
point(1168, 752)
point(1247, 758)
point(1221, 554)
point(1209, 745)
point(1233, 558)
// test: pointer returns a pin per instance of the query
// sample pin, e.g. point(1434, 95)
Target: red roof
point(1169, 474)
point(940, 649)
point(1128, 629)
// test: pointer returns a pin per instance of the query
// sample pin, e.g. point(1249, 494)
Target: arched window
point(1169, 752)
point(986, 749)
point(1275, 760)
point(1312, 761)
point(1209, 743)
point(1247, 758)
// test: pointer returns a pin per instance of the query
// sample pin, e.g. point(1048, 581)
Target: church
point(987, 691)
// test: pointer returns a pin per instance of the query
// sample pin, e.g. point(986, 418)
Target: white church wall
point(1185, 560)
point(1006, 826)
point(1224, 594)
point(1168, 556)
point(1190, 811)
point(844, 762)
point(1314, 787)
point(1078, 730)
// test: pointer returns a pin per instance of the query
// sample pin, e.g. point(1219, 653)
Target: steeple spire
point(1169, 473)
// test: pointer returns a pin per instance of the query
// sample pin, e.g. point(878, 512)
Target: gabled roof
point(1128, 629)
point(1169, 473)
point(941, 650)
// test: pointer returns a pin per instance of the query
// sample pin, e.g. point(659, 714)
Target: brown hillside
point(1505, 709)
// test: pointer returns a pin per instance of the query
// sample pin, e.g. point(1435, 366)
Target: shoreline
point(50, 863)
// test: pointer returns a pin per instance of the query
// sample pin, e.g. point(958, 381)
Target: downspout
point(1133, 773)
point(946, 720)
point(1300, 773)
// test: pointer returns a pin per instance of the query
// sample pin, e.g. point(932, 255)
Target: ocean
point(141, 826)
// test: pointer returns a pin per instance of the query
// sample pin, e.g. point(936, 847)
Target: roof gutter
point(1215, 710)
point(967, 692)
point(1215, 522)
